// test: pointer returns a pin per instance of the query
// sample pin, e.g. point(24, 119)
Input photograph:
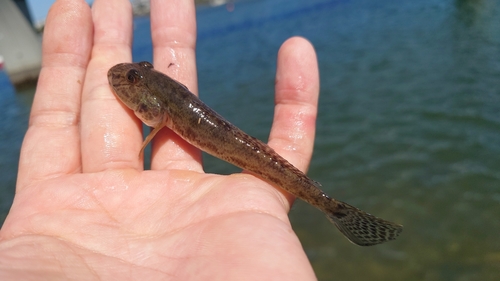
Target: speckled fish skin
point(160, 101)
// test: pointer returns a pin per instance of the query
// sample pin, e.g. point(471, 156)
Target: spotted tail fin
point(362, 228)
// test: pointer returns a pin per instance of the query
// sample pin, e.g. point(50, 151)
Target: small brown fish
point(160, 101)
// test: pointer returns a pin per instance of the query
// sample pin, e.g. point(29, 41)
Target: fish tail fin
point(359, 227)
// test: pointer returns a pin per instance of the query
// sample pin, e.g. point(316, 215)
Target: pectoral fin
point(150, 137)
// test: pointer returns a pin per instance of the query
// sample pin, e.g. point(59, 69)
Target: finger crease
point(54, 118)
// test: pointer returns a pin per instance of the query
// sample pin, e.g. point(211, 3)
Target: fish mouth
point(111, 77)
point(115, 74)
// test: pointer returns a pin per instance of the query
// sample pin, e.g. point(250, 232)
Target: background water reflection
point(408, 124)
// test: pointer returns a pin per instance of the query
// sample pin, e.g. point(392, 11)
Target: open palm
point(85, 208)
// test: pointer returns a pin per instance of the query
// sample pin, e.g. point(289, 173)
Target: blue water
point(14, 113)
point(408, 125)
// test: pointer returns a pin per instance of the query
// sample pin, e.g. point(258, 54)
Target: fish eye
point(133, 76)
point(146, 64)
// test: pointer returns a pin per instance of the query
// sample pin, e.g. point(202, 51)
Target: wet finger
point(111, 134)
point(173, 29)
point(296, 102)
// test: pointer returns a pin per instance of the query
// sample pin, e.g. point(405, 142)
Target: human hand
point(85, 208)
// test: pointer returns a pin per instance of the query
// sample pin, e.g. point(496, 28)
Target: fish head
point(130, 83)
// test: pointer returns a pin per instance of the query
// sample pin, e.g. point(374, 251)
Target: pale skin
point(85, 208)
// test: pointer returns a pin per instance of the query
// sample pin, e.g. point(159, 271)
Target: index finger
point(296, 103)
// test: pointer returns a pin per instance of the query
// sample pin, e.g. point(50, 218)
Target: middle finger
point(110, 133)
point(173, 29)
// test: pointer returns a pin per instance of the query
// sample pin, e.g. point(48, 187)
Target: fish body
point(160, 101)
